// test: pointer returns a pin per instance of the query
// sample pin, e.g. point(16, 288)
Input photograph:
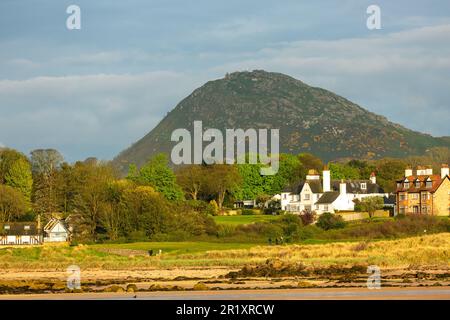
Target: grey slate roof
point(354, 186)
point(315, 185)
point(294, 188)
point(328, 197)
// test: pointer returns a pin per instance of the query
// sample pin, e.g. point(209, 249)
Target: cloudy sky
point(94, 91)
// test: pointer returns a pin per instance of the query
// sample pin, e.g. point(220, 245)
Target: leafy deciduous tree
point(371, 204)
point(157, 173)
point(12, 204)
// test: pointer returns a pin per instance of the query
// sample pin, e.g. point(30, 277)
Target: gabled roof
point(19, 229)
point(53, 223)
point(294, 188)
point(315, 185)
point(435, 179)
point(328, 197)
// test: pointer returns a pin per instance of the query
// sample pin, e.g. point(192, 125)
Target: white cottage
point(327, 195)
point(56, 231)
point(19, 233)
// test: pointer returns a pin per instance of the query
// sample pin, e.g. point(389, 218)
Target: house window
point(363, 186)
point(6, 227)
point(407, 185)
point(417, 184)
point(429, 183)
point(325, 207)
point(26, 227)
point(307, 196)
point(399, 185)
point(415, 196)
point(285, 196)
point(403, 197)
point(424, 196)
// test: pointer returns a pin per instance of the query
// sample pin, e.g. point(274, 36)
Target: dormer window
point(399, 185)
point(363, 186)
point(406, 184)
point(6, 227)
point(417, 183)
point(429, 183)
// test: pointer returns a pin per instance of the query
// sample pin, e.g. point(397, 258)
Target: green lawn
point(176, 247)
point(237, 220)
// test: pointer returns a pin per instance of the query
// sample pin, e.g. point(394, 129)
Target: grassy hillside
point(310, 120)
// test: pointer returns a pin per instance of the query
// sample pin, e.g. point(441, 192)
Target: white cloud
point(92, 113)
point(401, 75)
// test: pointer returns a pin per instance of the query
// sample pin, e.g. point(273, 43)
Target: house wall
point(325, 208)
point(57, 234)
point(308, 198)
point(285, 199)
point(361, 196)
point(441, 199)
point(344, 202)
point(20, 240)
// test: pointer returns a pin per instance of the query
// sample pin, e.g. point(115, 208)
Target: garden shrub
point(247, 212)
point(329, 221)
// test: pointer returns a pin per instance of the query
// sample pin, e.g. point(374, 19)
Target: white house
point(56, 231)
point(19, 233)
point(327, 195)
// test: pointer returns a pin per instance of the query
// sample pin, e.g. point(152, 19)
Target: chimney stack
point(408, 172)
point(444, 171)
point(373, 178)
point(342, 187)
point(421, 171)
point(326, 179)
point(429, 170)
point(312, 175)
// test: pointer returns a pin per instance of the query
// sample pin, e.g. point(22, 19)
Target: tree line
point(154, 200)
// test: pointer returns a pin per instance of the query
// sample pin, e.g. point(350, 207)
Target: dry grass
point(418, 251)
point(423, 250)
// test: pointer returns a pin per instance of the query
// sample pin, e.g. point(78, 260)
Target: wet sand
point(410, 293)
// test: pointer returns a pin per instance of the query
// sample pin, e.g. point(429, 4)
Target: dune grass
point(419, 250)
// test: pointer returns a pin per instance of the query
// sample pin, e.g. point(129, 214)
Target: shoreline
point(410, 293)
